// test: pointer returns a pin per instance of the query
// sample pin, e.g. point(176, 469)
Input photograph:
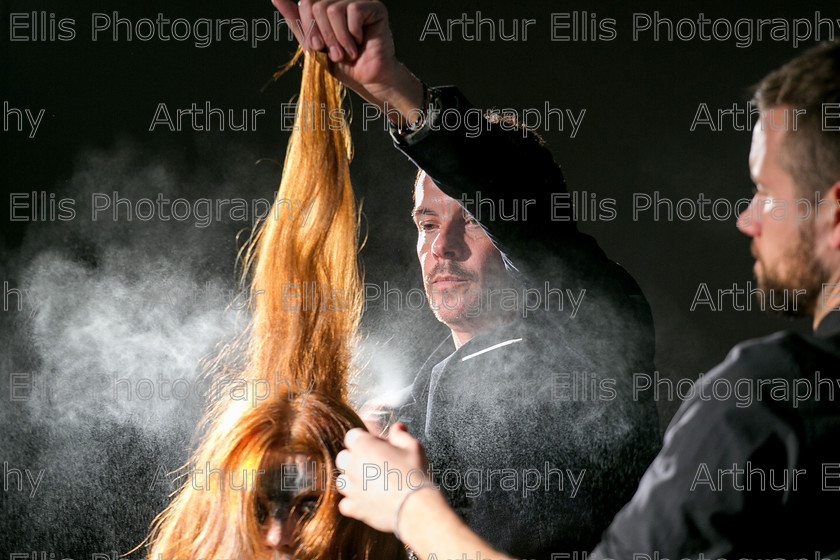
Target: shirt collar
point(492, 339)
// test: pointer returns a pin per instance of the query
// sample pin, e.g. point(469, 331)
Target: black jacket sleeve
point(741, 473)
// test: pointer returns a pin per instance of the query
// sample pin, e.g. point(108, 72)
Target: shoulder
point(765, 385)
point(782, 355)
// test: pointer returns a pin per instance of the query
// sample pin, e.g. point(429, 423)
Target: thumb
point(290, 11)
point(398, 436)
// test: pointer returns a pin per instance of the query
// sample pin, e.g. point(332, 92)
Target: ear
point(833, 195)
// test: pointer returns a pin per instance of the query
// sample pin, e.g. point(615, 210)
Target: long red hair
point(313, 341)
point(307, 343)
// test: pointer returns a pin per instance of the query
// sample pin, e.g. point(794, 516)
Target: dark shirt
point(532, 427)
point(752, 475)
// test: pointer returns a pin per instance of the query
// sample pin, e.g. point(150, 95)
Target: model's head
point(463, 271)
point(795, 164)
point(264, 482)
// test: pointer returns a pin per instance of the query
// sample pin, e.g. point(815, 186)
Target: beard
point(805, 272)
point(465, 305)
point(475, 305)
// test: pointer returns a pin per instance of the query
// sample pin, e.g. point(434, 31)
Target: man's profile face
point(783, 238)
point(459, 262)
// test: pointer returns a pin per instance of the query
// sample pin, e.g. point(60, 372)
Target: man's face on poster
point(288, 494)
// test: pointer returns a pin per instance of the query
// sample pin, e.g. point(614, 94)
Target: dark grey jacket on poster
point(755, 474)
point(533, 429)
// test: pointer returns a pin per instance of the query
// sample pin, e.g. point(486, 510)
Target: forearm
point(429, 526)
point(399, 96)
point(469, 154)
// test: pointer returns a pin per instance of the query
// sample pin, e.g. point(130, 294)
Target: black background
point(100, 97)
